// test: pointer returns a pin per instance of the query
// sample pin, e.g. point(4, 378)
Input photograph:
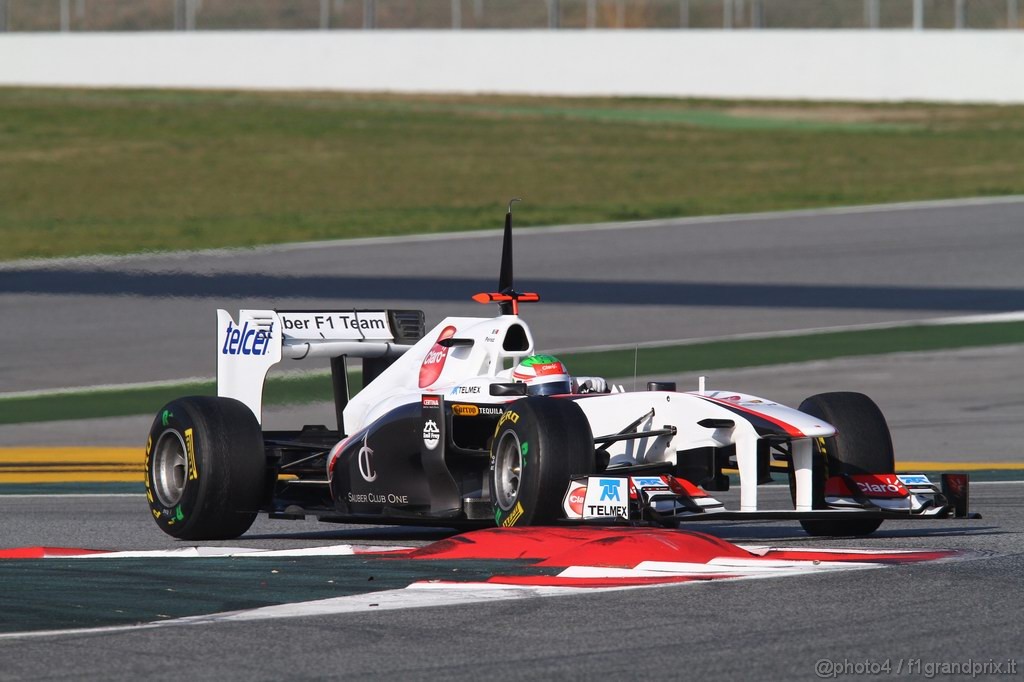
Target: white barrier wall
point(942, 66)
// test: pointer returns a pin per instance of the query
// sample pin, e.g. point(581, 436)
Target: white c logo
point(365, 457)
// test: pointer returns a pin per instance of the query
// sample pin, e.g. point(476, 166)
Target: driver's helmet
point(543, 375)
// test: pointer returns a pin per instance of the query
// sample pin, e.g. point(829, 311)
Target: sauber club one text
point(389, 498)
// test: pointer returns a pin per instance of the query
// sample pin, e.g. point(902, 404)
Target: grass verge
point(92, 404)
point(95, 171)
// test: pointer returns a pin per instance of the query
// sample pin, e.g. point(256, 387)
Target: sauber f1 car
point(445, 432)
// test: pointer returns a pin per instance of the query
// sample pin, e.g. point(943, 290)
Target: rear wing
point(248, 348)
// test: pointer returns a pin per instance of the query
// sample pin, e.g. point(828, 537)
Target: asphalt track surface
point(127, 320)
point(774, 628)
point(953, 406)
point(83, 322)
point(135, 319)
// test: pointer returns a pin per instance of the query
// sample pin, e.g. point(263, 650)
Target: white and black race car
point(444, 433)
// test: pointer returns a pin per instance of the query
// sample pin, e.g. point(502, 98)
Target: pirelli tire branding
point(501, 461)
point(540, 443)
point(190, 455)
point(508, 416)
point(514, 471)
point(206, 471)
point(513, 516)
point(149, 453)
point(171, 467)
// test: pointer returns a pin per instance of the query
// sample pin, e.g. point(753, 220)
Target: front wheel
point(862, 445)
point(205, 468)
point(539, 445)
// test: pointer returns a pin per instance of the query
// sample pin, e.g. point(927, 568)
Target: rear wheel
point(539, 445)
point(205, 468)
point(862, 445)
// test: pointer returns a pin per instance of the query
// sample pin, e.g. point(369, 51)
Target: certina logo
point(365, 461)
point(431, 434)
point(246, 341)
point(433, 362)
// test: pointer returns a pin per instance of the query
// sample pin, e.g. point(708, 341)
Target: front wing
point(668, 500)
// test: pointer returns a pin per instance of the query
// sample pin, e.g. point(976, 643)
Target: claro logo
point(576, 498)
point(246, 341)
point(433, 362)
point(880, 486)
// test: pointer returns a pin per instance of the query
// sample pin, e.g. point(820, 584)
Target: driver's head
point(543, 375)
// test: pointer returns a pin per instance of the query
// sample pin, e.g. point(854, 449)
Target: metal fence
point(191, 15)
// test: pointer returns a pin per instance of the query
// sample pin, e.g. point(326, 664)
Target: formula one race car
point(465, 426)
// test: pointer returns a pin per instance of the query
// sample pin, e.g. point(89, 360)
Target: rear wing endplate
point(248, 348)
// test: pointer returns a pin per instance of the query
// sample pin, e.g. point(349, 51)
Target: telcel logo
point(246, 341)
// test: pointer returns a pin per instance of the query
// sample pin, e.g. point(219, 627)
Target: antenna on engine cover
point(507, 297)
point(505, 275)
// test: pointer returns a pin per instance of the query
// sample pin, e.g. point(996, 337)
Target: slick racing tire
point(862, 445)
point(205, 468)
point(539, 444)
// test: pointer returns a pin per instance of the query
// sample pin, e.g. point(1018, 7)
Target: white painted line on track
point(386, 600)
point(418, 595)
point(35, 634)
point(436, 593)
point(1013, 316)
point(206, 552)
point(489, 233)
point(106, 388)
point(1011, 482)
point(33, 496)
point(285, 374)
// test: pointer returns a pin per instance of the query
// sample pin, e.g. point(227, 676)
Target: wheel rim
point(508, 466)
point(170, 466)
